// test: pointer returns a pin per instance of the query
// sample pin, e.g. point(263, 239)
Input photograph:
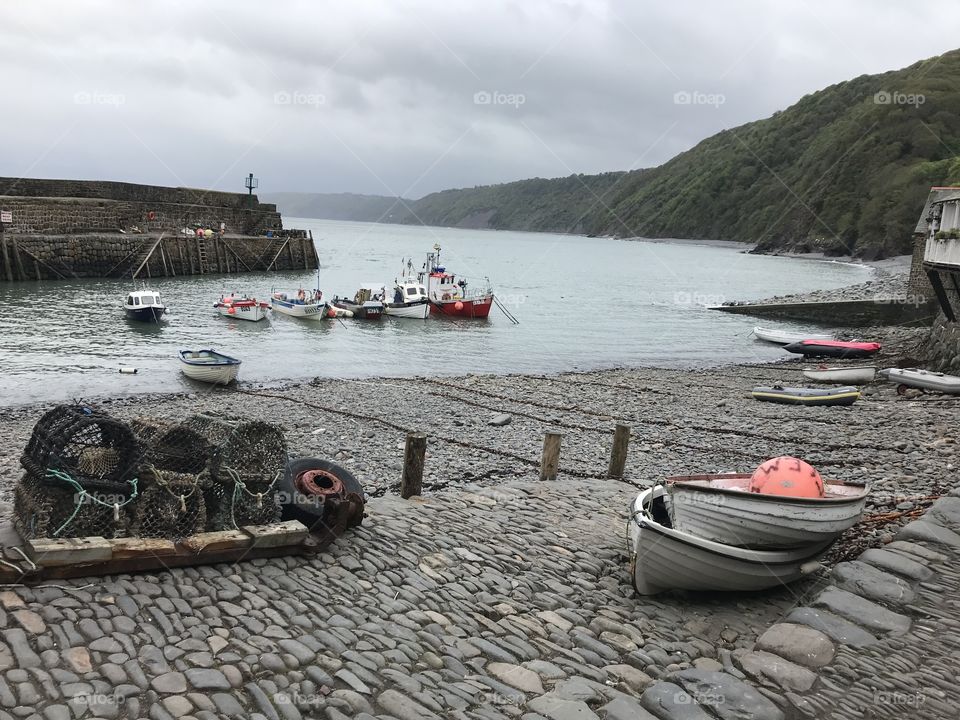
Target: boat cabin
point(143, 298)
point(408, 291)
point(443, 285)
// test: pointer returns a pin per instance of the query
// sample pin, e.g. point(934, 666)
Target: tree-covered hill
point(844, 170)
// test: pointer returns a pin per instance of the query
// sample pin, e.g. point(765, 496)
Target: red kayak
point(833, 348)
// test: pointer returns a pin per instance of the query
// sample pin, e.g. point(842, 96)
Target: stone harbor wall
point(57, 257)
point(944, 346)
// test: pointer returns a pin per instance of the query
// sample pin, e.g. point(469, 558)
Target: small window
point(411, 291)
point(129, 301)
point(136, 301)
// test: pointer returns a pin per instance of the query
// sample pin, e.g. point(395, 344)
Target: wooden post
point(550, 461)
point(163, 260)
point(303, 249)
point(18, 261)
point(413, 455)
point(618, 455)
point(6, 260)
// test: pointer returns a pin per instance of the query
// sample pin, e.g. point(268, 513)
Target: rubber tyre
point(309, 513)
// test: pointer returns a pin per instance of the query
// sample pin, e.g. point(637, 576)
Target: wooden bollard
point(550, 462)
point(618, 456)
point(413, 455)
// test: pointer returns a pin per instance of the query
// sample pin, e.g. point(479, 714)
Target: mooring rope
point(239, 487)
point(65, 478)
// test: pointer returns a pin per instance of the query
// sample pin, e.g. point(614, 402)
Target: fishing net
point(95, 450)
point(41, 509)
point(171, 505)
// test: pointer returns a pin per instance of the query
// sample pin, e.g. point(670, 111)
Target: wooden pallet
point(41, 559)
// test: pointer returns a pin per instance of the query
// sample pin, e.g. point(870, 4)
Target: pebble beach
point(496, 595)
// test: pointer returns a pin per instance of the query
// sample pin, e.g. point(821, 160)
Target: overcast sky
point(408, 97)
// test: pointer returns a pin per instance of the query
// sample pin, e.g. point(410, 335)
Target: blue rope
point(65, 478)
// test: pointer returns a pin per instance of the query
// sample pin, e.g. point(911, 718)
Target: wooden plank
point(50, 552)
point(217, 541)
point(147, 258)
point(292, 532)
point(138, 547)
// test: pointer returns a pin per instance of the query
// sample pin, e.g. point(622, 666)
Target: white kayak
point(842, 375)
point(785, 337)
point(663, 558)
point(924, 379)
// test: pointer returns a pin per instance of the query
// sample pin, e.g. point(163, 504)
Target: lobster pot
point(231, 505)
point(179, 449)
point(44, 510)
point(171, 505)
point(147, 428)
point(255, 452)
point(97, 451)
point(214, 430)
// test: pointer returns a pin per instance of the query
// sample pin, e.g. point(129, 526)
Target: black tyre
point(295, 505)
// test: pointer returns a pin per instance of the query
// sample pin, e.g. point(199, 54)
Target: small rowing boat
point(664, 558)
point(785, 337)
point(833, 348)
point(242, 308)
point(308, 306)
point(807, 396)
point(723, 509)
point(842, 375)
point(209, 366)
point(924, 379)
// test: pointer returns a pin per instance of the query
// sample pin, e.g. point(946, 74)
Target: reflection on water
point(582, 303)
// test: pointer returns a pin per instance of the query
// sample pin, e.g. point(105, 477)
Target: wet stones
point(870, 582)
point(863, 612)
point(767, 666)
point(798, 643)
point(838, 629)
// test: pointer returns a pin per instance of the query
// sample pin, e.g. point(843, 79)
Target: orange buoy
point(458, 305)
point(787, 476)
point(331, 313)
point(232, 311)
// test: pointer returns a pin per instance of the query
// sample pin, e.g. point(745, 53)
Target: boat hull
point(367, 311)
point(924, 379)
point(417, 311)
point(475, 308)
point(842, 376)
point(832, 349)
point(783, 337)
point(316, 311)
point(807, 396)
point(200, 366)
point(666, 559)
point(721, 508)
point(252, 313)
point(149, 313)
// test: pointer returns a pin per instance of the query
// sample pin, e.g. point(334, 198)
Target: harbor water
point(582, 304)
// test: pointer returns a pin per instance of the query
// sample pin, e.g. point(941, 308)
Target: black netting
point(97, 451)
point(43, 510)
point(171, 505)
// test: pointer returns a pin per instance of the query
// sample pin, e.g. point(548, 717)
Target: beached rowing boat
point(807, 396)
point(785, 337)
point(924, 379)
point(842, 375)
point(723, 509)
point(663, 558)
point(209, 366)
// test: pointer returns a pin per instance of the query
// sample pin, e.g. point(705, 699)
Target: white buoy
point(128, 371)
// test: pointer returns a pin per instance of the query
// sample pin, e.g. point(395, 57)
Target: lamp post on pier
point(250, 182)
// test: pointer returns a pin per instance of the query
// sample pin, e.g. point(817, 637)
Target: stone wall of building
point(53, 257)
point(919, 283)
point(944, 346)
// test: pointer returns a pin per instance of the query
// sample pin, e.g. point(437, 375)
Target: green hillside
point(844, 170)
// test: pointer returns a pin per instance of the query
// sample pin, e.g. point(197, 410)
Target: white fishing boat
point(923, 379)
point(209, 366)
point(242, 307)
point(842, 375)
point(662, 558)
point(721, 508)
point(301, 304)
point(144, 306)
point(409, 300)
point(786, 337)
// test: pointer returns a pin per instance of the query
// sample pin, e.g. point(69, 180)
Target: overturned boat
point(664, 558)
point(785, 337)
point(842, 375)
point(722, 508)
point(846, 395)
point(833, 348)
point(923, 379)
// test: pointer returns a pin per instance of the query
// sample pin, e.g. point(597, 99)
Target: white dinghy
point(923, 379)
point(663, 558)
point(209, 366)
point(785, 337)
point(721, 508)
point(842, 375)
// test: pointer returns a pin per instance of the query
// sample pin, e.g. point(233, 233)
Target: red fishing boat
point(450, 296)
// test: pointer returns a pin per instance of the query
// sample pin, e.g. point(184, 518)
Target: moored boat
point(409, 300)
point(664, 558)
point(366, 305)
point(723, 509)
point(842, 375)
point(846, 395)
point(308, 306)
point(449, 296)
point(833, 348)
point(785, 337)
point(923, 379)
point(209, 366)
point(144, 306)
point(242, 307)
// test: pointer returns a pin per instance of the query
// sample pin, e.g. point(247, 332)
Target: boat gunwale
point(227, 360)
point(689, 481)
